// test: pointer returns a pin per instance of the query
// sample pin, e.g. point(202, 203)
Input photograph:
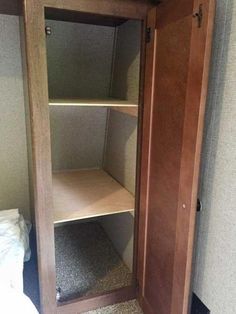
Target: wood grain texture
point(169, 11)
point(41, 153)
point(12, 7)
point(86, 304)
point(145, 144)
point(110, 102)
point(88, 193)
point(85, 18)
point(121, 8)
point(179, 94)
point(191, 153)
point(165, 158)
point(139, 150)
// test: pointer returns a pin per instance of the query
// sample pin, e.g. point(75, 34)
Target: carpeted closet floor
point(87, 262)
point(86, 247)
point(130, 307)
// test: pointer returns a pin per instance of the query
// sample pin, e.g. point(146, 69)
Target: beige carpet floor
point(87, 262)
point(130, 307)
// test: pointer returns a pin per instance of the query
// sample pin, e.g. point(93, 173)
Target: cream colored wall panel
point(127, 61)
point(77, 137)
point(120, 228)
point(215, 271)
point(14, 186)
point(79, 65)
point(79, 60)
point(120, 155)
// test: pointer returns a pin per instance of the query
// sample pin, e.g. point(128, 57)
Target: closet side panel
point(125, 83)
point(120, 154)
point(121, 144)
point(121, 147)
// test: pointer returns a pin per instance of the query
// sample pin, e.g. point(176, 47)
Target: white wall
point(215, 266)
point(14, 187)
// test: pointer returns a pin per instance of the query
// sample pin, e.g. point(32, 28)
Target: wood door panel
point(172, 10)
point(165, 159)
point(176, 113)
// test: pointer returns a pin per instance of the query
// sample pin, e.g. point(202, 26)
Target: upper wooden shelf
point(123, 106)
point(84, 194)
point(109, 102)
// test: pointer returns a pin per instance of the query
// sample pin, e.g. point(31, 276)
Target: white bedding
point(15, 302)
point(14, 249)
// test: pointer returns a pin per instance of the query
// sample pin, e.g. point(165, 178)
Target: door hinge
point(199, 205)
point(148, 34)
point(199, 16)
point(48, 30)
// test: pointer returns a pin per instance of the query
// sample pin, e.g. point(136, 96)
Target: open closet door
point(177, 65)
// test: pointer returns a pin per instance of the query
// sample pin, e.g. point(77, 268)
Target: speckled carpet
point(86, 264)
point(86, 261)
point(130, 307)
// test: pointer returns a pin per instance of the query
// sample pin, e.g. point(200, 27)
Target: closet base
point(88, 304)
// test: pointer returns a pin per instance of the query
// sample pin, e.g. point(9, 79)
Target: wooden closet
point(117, 92)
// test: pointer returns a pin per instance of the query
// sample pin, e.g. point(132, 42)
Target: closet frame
point(36, 68)
point(192, 22)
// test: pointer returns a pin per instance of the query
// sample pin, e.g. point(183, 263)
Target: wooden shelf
point(109, 102)
point(84, 194)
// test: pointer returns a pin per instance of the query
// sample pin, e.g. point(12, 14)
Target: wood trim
point(91, 303)
point(146, 129)
point(169, 11)
point(41, 151)
point(139, 149)
point(12, 7)
point(129, 9)
point(85, 18)
point(197, 87)
point(41, 148)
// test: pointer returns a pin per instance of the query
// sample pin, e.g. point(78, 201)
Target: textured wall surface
point(14, 189)
point(78, 136)
point(120, 229)
point(127, 61)
point(215, 266)
point(120, 154)
point(79, 60)
point(79, 65)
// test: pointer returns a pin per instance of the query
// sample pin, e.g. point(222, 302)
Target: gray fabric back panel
point(120, 157)
point(79, 60)
point(79, 65)
point(127, 61)
point(120, 153)
point(78, 135)
point(14, 185)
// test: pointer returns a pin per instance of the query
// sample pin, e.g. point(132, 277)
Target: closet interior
point(93, 83)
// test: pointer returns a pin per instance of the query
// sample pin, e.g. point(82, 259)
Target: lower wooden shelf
point(84, 194)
